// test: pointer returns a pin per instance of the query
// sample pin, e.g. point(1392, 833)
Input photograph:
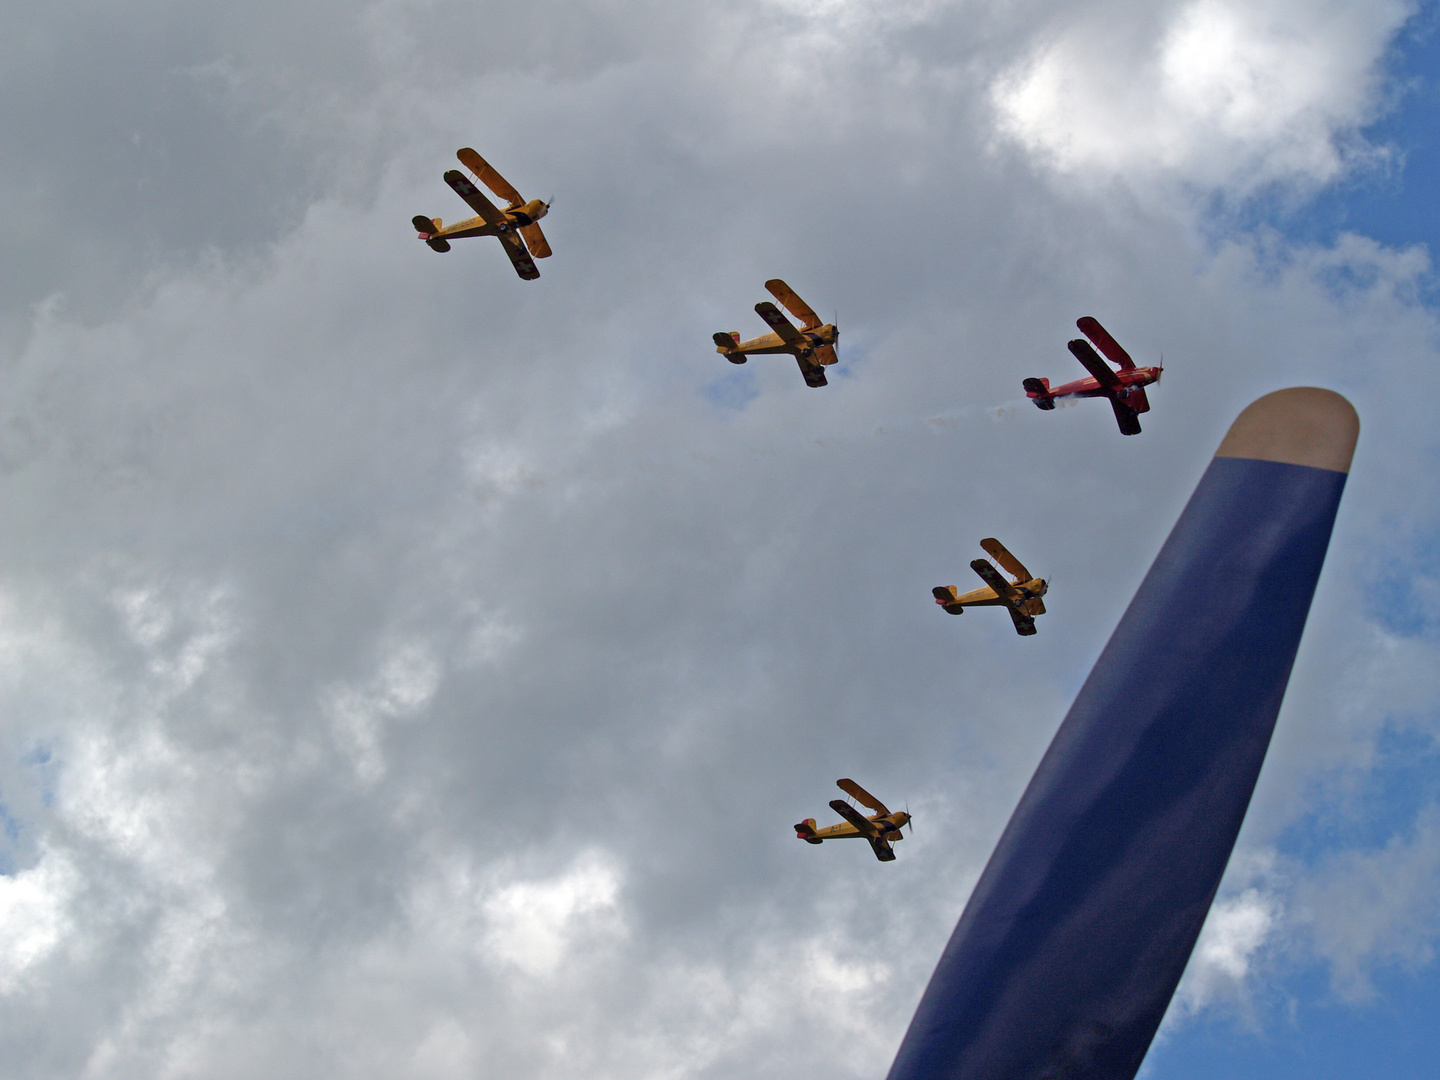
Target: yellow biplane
point(881, 828)
point(1020, 597)
point(812, 345)
point(516, 226)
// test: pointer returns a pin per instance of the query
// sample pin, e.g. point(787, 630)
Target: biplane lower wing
point(777, 322)
point(883, 851)
point(825, 354)
point(524, 265)
point(867, 827)
point(1126, 417)
point(988, 574)
point(1091, 361)
point(814, 374)
point(1014, 602)
point(474, 198)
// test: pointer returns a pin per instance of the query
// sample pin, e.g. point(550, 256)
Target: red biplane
point(1125, 388)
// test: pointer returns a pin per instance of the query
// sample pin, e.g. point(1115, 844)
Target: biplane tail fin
point(427, 228)
point(948, 597)
point(725, 345)
point(805, 830)
point(1038, 390)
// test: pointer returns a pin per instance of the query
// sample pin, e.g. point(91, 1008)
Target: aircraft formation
point(1070, 946)
point(812, 344)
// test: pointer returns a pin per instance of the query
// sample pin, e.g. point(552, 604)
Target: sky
point(409, 670)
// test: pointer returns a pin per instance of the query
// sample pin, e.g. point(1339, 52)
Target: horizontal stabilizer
point(424, 226)
point(437, 244)
point(805, 830)
point(948, 597)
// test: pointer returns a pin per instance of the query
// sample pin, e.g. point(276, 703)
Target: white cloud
point(1208, 93)
point(34, 917)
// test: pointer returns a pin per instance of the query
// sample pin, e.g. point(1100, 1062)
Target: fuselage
point(1090, 387)
point(889, 827)
point(515, 217)
point(985, 596)
point(774, 343)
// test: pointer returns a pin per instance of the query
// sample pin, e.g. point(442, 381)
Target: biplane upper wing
point(860, 795)
point(781, 325)
point(1097, 367)
point(1126, 417)
point(793, 304)
point(1105, 343)
point(488, 176)
point(854, 817)
point(535, 240)
point(996, 551)
point(474, 197)
point(524, 265)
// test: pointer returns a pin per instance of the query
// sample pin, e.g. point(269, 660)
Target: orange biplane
point(517, 226)
point(882, 828)
point(1020, 597)
point(812, 345)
